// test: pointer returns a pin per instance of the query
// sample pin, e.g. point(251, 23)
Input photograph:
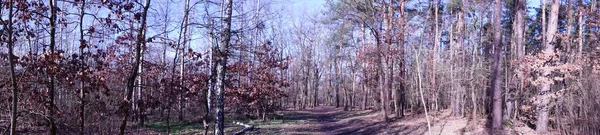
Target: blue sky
point(303, 8)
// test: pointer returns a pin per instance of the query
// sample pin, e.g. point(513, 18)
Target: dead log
point(246, 128)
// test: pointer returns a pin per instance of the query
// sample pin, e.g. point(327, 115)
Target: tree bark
point(497, 68)
point(544, 96)
point(134, 71)
point(139, 103)
point(221, 69)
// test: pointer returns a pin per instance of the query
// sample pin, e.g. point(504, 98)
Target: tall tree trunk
point(183, 41)
point(520, 51)
point(339, 76)
point(389, 61)
point(141, 41)
point(544, 95)
point(434, 55)
point(458, 43)
point(474, 53)
point(212, 71)
point(51, 87)
point(83, 68)
point(497, 68)
point(454, 106)
point(381, 56)
point(380, 79)
point(13, 78)
point(139, 103)
point(364, 67)
point(221, 69)
point(515, 83)
point(398, 96)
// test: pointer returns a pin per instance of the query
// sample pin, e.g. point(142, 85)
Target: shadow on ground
point(331, 120)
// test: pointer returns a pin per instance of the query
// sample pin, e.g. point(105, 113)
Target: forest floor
point(332, 121)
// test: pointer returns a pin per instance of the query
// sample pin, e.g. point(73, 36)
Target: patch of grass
point(177, 127)
point(507, 123)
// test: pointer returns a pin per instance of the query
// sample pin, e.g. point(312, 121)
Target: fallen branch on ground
point(246, 128)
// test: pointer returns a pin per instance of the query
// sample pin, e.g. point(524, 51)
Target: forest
point(299, 67)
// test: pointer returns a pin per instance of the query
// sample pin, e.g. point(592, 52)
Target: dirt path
point(331, 120)
point(335, 121)
point(323, 120)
